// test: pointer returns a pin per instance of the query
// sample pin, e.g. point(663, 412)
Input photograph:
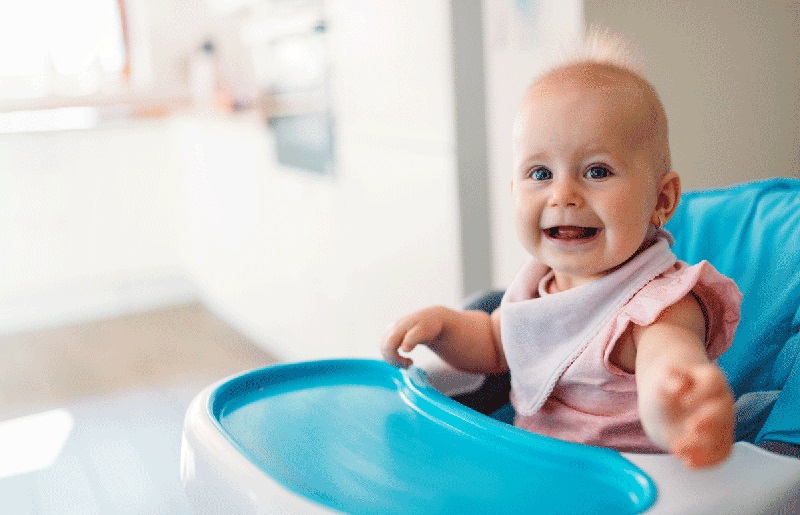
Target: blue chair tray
point(361, 436)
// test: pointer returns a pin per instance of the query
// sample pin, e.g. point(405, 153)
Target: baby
point(608, 338)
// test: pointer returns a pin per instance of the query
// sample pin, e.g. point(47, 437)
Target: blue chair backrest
point(751, 233)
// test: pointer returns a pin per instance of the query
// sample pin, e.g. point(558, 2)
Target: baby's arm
point(468, 340)
point(685, 403)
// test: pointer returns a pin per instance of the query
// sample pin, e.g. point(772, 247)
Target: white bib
point(542, 336)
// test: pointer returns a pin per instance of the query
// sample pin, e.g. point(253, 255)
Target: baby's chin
point(584, 269)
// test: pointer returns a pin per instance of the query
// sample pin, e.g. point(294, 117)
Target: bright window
point(57, 47)
point(33, 442)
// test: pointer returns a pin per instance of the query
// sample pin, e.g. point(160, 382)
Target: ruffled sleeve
point(719, 298)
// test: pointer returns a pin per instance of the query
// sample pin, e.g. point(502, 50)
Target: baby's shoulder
point(670, 288)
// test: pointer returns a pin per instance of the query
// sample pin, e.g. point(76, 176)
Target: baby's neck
point(562, 283)
point(551, 286)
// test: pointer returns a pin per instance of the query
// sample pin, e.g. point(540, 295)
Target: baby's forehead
point(624, 98)
point(617, 92)
point(611, 82)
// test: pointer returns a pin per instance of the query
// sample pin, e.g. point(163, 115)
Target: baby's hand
point(422, 327)
point(698, 412)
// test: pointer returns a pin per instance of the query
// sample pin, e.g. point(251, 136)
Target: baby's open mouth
point(571, 232)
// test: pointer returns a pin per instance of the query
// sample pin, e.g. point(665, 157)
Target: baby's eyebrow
point(595, 148)
point(524, 159)
point(601, 151)
point(538, 156)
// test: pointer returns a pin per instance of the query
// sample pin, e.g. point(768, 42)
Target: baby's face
point(586, 180)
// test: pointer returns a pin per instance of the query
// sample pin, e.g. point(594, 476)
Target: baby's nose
point(565, 194)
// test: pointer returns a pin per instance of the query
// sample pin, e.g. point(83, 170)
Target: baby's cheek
point(526, 223)
point(631, 221)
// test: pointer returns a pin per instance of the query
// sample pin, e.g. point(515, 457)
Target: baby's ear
point(669, 194)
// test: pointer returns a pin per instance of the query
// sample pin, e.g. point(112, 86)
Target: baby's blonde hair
point(600, 48)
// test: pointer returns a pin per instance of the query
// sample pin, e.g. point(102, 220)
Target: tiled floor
point(106, 400)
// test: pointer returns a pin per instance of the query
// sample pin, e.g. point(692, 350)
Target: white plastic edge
point(218, 479)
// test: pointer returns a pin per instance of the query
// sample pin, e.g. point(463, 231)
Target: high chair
point(360, 436)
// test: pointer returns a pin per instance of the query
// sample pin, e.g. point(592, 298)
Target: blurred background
point(153, 151)
point(189, 188)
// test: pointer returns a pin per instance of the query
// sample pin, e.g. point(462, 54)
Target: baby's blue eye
point(541, 174)
point(597, 172)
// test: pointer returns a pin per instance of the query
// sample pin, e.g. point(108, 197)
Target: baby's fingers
point(392, 342)
point(708, 436)
point(421, 332)
point(405, 335)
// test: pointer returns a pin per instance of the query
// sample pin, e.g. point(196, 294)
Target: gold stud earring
point(659, 224)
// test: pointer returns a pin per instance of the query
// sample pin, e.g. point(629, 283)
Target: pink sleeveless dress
point(558, 346)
